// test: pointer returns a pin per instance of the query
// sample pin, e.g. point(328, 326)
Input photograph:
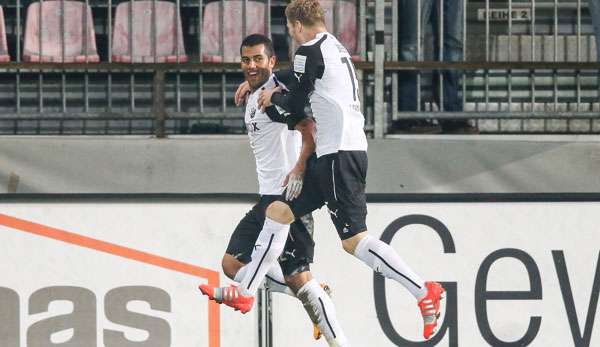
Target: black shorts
point(299, 248)
point(338, 181)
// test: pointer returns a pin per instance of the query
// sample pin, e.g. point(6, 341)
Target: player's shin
point(322, 310)
point(383, 259)
point(268, 247)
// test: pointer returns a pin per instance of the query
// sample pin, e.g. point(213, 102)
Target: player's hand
point(293, 182)
point(264, 99)
point(241, 94)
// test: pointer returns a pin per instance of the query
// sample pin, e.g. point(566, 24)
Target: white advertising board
point(163, 251)
point(512, 270)
point(109, 274)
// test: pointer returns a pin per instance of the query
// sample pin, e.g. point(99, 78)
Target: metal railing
point(480, 94)
point(167, 98)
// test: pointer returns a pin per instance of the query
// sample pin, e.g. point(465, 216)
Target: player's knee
point(297, 280)
point(351, 243)
point(230, 265)
point(349, 248)
point(280, 212)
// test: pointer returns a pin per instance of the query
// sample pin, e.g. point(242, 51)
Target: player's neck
point(311, 33)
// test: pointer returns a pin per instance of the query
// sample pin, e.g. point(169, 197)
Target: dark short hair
point(258, 39)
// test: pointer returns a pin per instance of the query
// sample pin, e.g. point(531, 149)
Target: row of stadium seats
point(135, 39)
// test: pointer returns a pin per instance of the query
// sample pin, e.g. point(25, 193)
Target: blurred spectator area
point(98, 102)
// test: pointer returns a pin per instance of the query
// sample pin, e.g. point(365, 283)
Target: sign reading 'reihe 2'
point(501, 15)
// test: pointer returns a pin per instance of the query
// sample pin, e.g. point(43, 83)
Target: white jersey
point(324, 72)
point(276, 149)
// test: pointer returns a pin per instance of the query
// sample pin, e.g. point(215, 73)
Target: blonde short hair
point(307, 12)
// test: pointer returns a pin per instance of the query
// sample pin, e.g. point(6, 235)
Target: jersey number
point(352, 76)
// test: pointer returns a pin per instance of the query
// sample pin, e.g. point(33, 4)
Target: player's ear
point(272, 61)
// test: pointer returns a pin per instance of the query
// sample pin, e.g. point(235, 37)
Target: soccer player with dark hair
point(283, 146)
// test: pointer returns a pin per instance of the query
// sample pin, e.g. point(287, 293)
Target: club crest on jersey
point(253, 113)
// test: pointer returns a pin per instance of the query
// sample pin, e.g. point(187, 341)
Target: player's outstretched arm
point(294, 179)
point(307, 128)
point(308, 67)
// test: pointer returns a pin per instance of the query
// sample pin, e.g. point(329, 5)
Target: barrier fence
point(123, 280)
point(106, 69)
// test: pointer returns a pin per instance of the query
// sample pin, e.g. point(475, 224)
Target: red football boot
point(229, 296)
point(430, 307)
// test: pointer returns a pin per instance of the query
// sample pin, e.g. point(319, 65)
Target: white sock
point(383, 259)
point(267, 249)
point(311, 294)
point(274, 279)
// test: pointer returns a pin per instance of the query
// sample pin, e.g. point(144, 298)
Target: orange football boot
point(229, 296)
point(430, 307)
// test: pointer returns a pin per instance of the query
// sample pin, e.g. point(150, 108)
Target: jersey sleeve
point(308, 67)
point(284, 76)
point(280, 115)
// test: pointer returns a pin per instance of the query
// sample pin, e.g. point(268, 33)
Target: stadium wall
point(215, 164)
point(517, 273)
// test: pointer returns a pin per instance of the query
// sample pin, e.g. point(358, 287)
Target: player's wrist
point(300, 167)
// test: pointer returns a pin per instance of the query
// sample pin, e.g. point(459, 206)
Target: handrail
point(235, 67)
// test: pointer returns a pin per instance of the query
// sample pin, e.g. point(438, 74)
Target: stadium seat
point(234, 30)
point(52, 36)
point(4, 57)
point(167, 29)
point(566, 47)
point(346, 29)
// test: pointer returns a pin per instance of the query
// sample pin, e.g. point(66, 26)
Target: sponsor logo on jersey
point(252, 127)
point(341, 48)
point(282, 111)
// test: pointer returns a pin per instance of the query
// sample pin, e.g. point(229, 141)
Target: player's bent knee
point(351, 243)
point(296, 281)
point(280, 212)
point(231, 265)
point(348, 247)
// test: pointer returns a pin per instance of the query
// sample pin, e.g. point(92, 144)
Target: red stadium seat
point(52, 36)
point(167, 29)
point(346, 29)
point(234, 30)
point(4, 57)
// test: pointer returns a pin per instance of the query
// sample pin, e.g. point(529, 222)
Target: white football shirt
point(276, 149)
point(323, 71)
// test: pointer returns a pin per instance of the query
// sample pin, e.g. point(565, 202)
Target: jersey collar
point(271, 81)
point(318, 36)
